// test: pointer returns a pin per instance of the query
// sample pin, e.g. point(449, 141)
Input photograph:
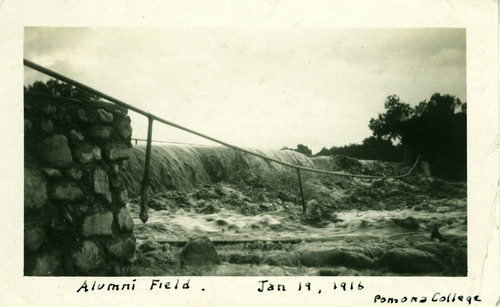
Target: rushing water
point(186, 167)
point(166, 226)
point(372, 231)
point(254, 205)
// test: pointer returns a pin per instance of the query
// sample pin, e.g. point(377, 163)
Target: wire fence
point(151, 118)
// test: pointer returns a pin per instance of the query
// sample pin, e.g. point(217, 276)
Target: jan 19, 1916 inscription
point(267, 286)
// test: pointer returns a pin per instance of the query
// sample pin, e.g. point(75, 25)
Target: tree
point(56, 88)
point(390, 125)
point(434, 129)
point(323, 152)
point(303, 150)
point(439, 134)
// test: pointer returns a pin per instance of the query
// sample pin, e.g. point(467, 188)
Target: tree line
point(435, 130)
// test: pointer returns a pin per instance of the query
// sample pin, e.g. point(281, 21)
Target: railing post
point(301, 191)
point(145, 181)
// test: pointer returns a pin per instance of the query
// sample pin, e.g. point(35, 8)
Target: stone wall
point(75, 216)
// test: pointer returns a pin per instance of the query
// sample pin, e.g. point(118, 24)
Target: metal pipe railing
point(166, 142)
point(152, 117)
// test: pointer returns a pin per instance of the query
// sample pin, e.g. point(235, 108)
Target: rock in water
point(312, 215)
point(282, 259)
point(199, 251)
point(442, 250)
point(409, 223)
point(149, 245)
point(408, 260)
point(435, 234)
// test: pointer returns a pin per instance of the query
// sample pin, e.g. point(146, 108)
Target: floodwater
point(251, 210)
point(268, 235)
point(165, 226)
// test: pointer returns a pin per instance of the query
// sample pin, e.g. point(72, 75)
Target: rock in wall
point(75, 219)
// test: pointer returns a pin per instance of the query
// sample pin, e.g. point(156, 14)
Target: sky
point(261, 88)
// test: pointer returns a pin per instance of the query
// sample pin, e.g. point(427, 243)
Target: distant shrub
point(347, 163)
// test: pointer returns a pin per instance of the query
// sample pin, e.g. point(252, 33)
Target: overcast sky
point(256, 87)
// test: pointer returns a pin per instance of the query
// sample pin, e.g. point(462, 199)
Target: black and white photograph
point(276, 153)
point(335, 152)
